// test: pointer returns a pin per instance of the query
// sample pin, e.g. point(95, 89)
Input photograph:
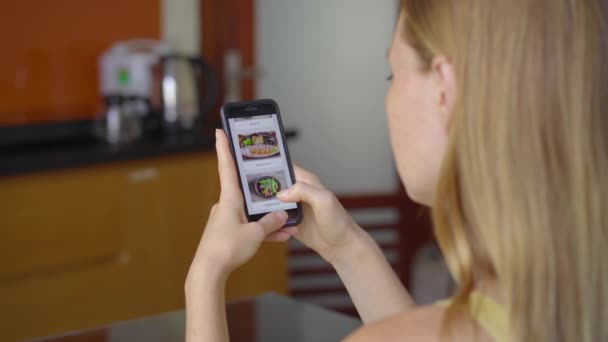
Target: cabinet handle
point(143, 175)
point(124, 258)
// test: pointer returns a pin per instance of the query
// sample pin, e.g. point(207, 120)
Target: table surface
point(268, 317)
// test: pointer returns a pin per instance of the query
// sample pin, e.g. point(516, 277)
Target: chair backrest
point(400, 228)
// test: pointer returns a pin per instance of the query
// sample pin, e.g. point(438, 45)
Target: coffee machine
point(143, 81)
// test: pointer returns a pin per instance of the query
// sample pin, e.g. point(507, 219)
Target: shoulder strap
point(490, 315)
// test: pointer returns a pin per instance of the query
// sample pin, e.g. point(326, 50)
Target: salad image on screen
point(259, 145)
point(265, 186)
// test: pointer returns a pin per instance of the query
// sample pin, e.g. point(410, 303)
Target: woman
point(497, 114)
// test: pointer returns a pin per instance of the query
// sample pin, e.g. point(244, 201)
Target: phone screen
point(262, 162)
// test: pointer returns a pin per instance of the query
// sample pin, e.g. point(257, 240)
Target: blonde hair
point(523, 193)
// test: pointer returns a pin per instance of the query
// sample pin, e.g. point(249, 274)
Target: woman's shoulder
point(420, 324)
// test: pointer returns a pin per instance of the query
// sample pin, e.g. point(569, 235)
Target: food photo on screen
point(265, 186)
point(259, 145)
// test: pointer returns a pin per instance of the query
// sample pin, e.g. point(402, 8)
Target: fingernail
point(282, 193)
point(217, 133)
point(281, 215)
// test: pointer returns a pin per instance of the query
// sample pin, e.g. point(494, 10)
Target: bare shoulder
point(421, 324)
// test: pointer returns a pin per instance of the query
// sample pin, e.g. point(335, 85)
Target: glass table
point(268, 317)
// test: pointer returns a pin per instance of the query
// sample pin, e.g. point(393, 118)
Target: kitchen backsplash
point(48, 65)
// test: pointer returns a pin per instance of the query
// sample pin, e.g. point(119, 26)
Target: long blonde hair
point(523, 193)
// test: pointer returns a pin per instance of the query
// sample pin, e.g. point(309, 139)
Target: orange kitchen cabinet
point(88, 246)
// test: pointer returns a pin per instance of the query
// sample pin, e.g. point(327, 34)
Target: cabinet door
point(86, 247)
point(80, 248)
point(58, 222)
point(190, 186)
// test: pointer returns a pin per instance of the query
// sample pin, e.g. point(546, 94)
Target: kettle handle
point(205, 72)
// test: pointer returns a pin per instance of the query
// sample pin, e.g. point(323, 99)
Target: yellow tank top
point(490, 315)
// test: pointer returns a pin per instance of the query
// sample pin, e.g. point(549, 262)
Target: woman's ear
point(443, 73)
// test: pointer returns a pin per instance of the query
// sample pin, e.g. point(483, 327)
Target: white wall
point(325, 64)
point(181, 28)
point(180, 25)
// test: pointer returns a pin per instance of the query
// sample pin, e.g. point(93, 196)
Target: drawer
point(60, 220)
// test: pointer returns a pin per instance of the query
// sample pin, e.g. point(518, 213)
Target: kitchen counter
point(267, 318)
point(86, 151)
point(28, 159)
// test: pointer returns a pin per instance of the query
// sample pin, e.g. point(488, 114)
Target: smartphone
point(257, 142)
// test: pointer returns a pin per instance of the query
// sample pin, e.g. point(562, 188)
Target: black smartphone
point(257, 142)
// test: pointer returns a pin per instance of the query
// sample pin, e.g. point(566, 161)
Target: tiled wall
point(48, 59)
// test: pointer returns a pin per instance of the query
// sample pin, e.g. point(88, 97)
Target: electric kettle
point(184, 105)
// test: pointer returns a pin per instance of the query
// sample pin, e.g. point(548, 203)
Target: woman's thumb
point(272, 222)
point(305, 192)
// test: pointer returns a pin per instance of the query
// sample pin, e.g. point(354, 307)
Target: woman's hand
point(229, 240)
point(326, 228)
point(330, 231)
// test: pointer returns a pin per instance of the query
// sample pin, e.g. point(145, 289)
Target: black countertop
point(20, 160)
point(85, 150)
